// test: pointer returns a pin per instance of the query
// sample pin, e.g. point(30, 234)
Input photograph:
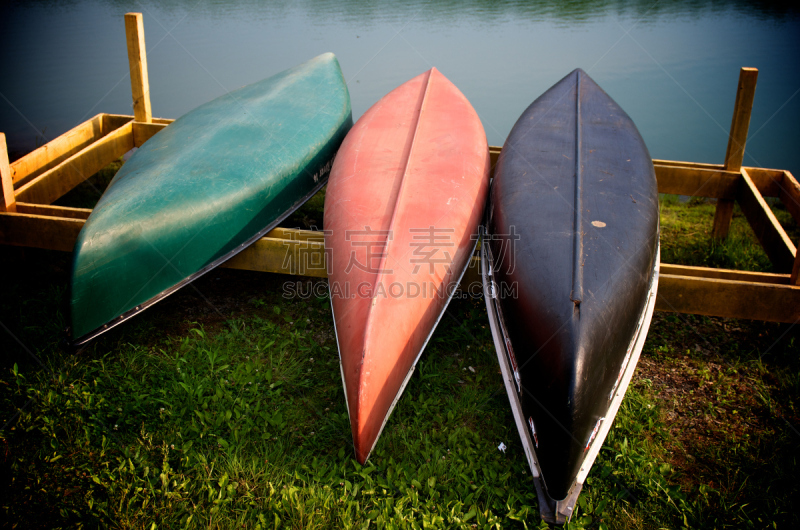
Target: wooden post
point(736, 141)
point(795, 278)
point(8, 202)
point(137, 59)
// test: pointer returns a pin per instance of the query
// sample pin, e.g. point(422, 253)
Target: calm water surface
point(672, 65)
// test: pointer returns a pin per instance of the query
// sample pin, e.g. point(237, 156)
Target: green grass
point(222, 407)
point(686, 235)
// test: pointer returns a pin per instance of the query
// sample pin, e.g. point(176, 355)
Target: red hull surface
point(405, 196)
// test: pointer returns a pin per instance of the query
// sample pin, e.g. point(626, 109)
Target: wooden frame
point(31, 184)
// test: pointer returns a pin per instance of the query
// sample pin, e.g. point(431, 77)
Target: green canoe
point(205, 188)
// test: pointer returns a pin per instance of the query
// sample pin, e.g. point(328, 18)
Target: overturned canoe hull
point(205, 188)
point(570, 272)
point(402, 209)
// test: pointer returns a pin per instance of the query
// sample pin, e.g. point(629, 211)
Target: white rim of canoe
point(116, 321)
point(552, 511)
point(414, 364)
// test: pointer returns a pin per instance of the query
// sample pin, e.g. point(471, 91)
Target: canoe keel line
point(402, 209)
point(570, 265)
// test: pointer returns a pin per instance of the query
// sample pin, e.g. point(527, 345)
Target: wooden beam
point(57, 150)
point(734, 155)
point(144, 131)
point(723, 215)
point(112, 122)
point(768, 181)
point(724, 274)
point(115, 121)
point(740, 123)
point(296, 235)
point(699, 290)
point(789, 194)
point(698, 165)
point(697, 182)
point(39, 231)
point(728, 298)
point(137, 60)
point(283, 256)
point(768, 230)
point(57, 181)
point(795, 278)
point(8, 202)
point(53, 211)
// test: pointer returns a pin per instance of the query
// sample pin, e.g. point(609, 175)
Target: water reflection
point(369, 12)
point(672, 65)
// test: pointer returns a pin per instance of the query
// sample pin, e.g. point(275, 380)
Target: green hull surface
point(204, 188)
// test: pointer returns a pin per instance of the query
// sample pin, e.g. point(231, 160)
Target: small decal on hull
point(323, 170)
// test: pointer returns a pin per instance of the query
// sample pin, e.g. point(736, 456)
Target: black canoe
point(570, 273)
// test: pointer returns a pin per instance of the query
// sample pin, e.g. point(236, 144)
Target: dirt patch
point(714, 387)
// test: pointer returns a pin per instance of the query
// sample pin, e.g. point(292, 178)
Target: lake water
point(673, 66)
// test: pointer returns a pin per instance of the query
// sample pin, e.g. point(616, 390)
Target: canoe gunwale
point(411, 371)
point(551, 510)
point(189, 279)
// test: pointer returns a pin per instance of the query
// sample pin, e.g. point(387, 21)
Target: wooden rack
point(31, 184)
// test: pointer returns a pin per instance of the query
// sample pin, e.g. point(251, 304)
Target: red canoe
point(404, 199)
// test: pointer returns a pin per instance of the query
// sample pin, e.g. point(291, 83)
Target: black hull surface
point(572, 255)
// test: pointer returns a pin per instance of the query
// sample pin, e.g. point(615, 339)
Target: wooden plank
point(283, 256)
point(112, 122)
point(115, 121)
point(789, 194)
point(697, 182)
point(39, 231)
point(728, 298)
point(698, 165)
point(734, 155)
point(768, 230)
point(300, 253)
point(144, 131)
point(53, 211)
point(767, 181)
point(137, 60)
point(295, 234)
point(8, 202)
point(57, 150)
point(723, 215)
point(57, 181)
point(740, 123)
point(699, 290)
point(725, 274)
